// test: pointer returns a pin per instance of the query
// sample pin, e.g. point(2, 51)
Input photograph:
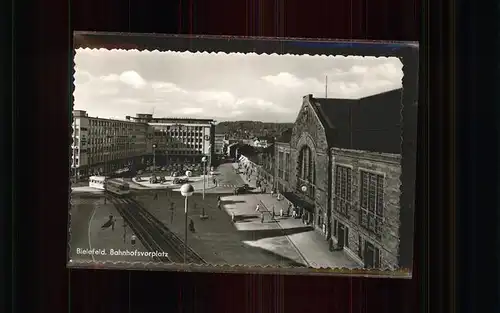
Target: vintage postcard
point(243, 161)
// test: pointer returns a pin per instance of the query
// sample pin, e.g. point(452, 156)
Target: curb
point(287, 237)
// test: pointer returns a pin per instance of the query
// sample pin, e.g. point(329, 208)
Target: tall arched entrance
point(306, 180)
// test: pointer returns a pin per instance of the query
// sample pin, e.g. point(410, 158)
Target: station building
point(350, 165)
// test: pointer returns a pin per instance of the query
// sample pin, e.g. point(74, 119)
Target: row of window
point(179, 133)
point(110, 123)
point(371, 197)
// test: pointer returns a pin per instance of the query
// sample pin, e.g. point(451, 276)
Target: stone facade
point(383, 239)
point(282, 167)
point(309, 132)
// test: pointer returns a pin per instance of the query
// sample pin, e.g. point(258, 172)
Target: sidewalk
point(108, 238)
point(312, 245)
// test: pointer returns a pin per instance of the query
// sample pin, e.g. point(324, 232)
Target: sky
point(220, 86)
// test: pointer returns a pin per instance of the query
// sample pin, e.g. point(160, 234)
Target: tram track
point(153, 234)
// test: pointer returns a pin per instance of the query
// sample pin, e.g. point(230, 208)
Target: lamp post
point(154, 159)
point(187, 190)
point(304, 190)
point(204, 161)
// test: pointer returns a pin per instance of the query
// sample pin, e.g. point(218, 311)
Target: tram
point(97, 182)
point(115, 187)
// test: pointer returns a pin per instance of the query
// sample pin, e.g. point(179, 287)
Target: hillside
point(251, 129)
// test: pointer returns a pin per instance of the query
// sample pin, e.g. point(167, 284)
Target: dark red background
point(47, 58)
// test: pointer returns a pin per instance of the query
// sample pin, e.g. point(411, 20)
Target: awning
point(299, 201)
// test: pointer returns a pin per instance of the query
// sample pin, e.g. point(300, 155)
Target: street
point(234, 233)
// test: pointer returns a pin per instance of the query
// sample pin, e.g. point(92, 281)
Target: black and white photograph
point(239, 159)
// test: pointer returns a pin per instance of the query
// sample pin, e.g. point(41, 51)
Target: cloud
point(166, 87)
point(358, 80)
point(82, 77)
point(283, 79)
point(188, 111)
point(130, 78)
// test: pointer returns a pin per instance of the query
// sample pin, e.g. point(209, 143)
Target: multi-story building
point(350, 164)
point(178, 139)
point(219, 144)
point(102, 145)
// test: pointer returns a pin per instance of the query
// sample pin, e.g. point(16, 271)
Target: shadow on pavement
point(283, 259)
point(269, 233)
point(246, 218)
point(225, 202)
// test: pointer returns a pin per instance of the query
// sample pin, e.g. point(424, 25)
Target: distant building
point(179, 139)
point(260, 143)
point(343, 163)
point(232, 149)
point(103, 145)
point(219, 144)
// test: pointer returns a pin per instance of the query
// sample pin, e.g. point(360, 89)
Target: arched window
point(306, 165)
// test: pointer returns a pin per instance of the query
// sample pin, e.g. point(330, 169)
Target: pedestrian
point(273, 213)
point(132, 239)
point(272, 192)
point(262, 217)
point(281, 212)
point(191, 226)
point(233, 218)
point(257, 208)
point(288, 210)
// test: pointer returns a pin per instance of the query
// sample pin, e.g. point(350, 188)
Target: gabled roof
point(353, 123)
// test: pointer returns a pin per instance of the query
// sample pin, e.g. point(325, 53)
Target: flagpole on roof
point(326, 86)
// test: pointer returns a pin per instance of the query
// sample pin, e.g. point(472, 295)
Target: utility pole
point(154, 159)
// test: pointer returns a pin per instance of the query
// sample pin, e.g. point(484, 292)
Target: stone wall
point(389, 166)
point(309, 131)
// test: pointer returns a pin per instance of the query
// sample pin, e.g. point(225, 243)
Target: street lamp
point(304, 190)
point(204, 161)
point(154, 159)
point(187, 190)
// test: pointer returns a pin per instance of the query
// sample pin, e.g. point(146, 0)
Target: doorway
point(371, 256)
point(342, 235)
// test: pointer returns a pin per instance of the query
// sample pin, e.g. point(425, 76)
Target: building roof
point(151, 118)
point(371, 123)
